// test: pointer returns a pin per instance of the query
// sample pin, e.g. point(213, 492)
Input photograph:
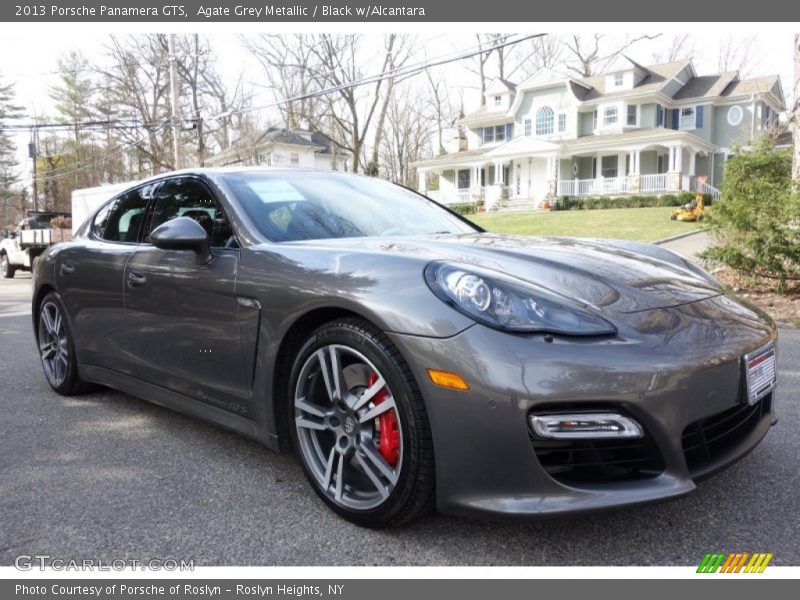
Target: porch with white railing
point(704, 188)
point(650, 184)
point(458, 196)
point(602, 186)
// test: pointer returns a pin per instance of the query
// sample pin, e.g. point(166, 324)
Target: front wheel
point(57, 348)
point(7, 270)
point(360, 427)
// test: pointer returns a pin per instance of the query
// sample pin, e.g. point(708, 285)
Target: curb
point(679, 236)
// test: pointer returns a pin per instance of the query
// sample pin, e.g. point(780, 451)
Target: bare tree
point(407, 138)
point(588, 55)
point(478, 65)
point(796, 112)
point(737, 53)
point(441, 103)
point(138, 87)
point(287, 60)
point(681, 46)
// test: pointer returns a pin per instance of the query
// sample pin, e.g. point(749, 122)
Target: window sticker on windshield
point(275, 190)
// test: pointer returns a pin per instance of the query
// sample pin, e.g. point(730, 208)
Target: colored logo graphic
point(737, 562)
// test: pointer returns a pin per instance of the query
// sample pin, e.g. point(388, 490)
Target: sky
point(29, 60)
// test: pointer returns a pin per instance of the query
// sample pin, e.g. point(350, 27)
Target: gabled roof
point(656, 77)
point(286, 136)
point(499, 85)
point(706, 86)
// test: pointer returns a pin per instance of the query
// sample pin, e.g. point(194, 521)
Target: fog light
point(584, 425)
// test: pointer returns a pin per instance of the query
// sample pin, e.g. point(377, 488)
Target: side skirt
point(179, 403)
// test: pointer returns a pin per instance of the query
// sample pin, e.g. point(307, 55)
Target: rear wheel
point(57, 348)
point(360, 427)
point(7, 270)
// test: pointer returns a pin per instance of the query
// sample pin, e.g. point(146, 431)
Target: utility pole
point(32, 153)
point(176, 101)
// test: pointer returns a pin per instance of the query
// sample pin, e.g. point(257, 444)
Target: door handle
point(66, 268)
point(136, 279)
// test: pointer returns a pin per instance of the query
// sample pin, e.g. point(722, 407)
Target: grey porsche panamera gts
point(410, 359)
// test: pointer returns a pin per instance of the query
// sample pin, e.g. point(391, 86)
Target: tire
point(56, 345)
point(375, 470)
point(7, 270)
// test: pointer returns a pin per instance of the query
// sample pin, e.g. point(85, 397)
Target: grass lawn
point(642, 224)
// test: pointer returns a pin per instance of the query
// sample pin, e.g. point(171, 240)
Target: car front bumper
point(677, 371)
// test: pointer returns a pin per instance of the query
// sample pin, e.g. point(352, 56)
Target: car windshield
point(289, 207)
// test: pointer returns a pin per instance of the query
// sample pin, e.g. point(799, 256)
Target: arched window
point(544, 121)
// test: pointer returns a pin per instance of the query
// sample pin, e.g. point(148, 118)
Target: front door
point(90, 278)
point(184, 316)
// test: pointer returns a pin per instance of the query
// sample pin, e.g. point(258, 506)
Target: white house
point(284, 148)
point(632, 130)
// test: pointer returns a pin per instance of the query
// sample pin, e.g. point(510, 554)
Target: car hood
point(611, 275)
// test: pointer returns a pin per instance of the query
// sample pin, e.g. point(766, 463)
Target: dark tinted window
point(190, 197)
point(291, 206)
point(121, 220)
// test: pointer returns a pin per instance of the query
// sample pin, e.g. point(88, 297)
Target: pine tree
point(9, 175)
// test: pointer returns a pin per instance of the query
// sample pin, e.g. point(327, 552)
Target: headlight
point(493, 300)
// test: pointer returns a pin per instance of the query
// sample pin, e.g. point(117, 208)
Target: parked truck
point(20, 248)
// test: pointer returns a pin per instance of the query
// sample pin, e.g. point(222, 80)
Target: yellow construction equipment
point(691, 211)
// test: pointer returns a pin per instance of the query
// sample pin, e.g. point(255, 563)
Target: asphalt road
point(108, 476)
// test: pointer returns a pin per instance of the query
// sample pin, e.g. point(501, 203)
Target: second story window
point(632, 115)
point(687, 118)
point(527, 126)
point(619, 79)
point(498, 100)
point(544, 121)
point(562, 122)
point(610, 116)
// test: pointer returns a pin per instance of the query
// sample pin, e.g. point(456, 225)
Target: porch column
point(637, 156)
point(679, 158)
point(498, 173)
point(552, 176)
point(692, 162)
point(422, 181)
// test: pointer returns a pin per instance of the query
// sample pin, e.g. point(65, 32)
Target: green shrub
point(756, 226)
point(465, 208)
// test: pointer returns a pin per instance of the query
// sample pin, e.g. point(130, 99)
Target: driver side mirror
point(183, 233)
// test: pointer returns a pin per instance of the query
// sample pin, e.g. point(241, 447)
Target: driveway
point(108, 476)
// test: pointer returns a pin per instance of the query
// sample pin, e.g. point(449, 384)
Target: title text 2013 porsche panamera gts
point(410, 359)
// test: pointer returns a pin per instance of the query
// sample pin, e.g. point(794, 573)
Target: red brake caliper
point(389, 445)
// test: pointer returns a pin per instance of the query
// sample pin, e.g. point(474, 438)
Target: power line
point(403, 72)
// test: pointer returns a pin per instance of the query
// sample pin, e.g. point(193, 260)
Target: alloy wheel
point(348, 427)
point(53, 343)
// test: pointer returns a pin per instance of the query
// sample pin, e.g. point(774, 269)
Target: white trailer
point(85, 201)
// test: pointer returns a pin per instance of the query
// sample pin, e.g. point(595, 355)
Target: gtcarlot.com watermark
point(31, 562)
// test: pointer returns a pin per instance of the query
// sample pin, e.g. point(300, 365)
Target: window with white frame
point(527, 125)
point(633, 115)
point(499, 133)
point(735, 115)
point(294, 158)
point(687, 118)
point(562, 122)
point(619, 79)
point(463, 179)
point(609, 165)
point(498, 100)
point(488, 135)
point(544, 121)
point(610, 116)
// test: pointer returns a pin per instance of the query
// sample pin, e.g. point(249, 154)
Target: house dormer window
point(619, 79)
point(544, 121)
point(498, 100)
